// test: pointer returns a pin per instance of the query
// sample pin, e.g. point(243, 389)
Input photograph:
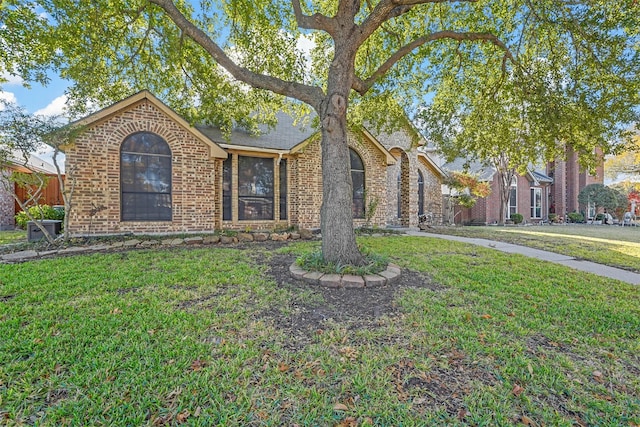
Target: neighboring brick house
point(51, 194)
point(568, 180)
point(529, 195)
point(140, 167)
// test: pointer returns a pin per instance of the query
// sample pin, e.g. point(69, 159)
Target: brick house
point(534, 195)
point(51, 194)
point(529, 195)
point(140, 167)
point(568, 180)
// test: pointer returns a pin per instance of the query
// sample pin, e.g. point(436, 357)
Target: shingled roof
point(284, 136)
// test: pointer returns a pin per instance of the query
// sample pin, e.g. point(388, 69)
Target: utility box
point(34, 233)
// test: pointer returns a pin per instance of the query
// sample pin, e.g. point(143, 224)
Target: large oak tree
point(235, 62)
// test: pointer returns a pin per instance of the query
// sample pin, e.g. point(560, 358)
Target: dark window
point(357, 177)
point(283, 189)
point(145, 178)
point(399, 193)
point(227, 182)
point(255, 188)
point(420, 194)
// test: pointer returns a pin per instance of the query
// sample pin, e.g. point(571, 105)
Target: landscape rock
point(306, 234)
point(245, 237)
point(260, 237)
point(352, 281)
point(208, 240)
point(193, 240)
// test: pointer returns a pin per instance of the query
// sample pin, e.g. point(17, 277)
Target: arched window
point(145, 178)
point(357, 177)
point(420, 193)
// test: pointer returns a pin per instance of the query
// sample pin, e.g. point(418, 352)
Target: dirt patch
point(355, 309)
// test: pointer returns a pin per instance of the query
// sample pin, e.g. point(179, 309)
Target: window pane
point(255, 188)
point(283, 189)
point(420, 193)
point(147, 143)
point(358, 193)
point(226, 189)
point(399, 194)
point(146, 207)
point(357, 177)
point(145, 178)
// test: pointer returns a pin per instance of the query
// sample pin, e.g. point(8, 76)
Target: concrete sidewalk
point(587, 266)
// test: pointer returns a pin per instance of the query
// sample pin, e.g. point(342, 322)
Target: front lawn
point(223, 336)
point(13, 236)
point(610, 245)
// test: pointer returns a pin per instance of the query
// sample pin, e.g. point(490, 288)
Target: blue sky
point(38, 99)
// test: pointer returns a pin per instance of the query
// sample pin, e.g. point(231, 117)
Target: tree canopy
point(530, 72)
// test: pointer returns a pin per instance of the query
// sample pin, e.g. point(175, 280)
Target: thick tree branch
point(362, 86)
point(316, 21)
point(308, 94)
point(388, 9)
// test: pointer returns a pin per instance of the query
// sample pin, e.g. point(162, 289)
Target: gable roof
point(145, 95)
point(431, 164)
point(486, 172)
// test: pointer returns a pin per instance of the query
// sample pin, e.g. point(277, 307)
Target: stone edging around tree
point(386, 277)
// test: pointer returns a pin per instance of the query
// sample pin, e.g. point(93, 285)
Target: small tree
point(21, 135)
point(468, 188)
point(602, 196)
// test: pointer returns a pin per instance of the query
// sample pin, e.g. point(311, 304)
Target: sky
point(40, 100)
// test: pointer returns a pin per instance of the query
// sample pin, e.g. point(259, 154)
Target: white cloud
point(56, 107)
point(7, 96)
point(10, 79)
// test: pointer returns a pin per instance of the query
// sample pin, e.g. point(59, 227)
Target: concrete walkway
point(587, 266)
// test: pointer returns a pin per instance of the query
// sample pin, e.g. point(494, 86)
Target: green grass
point(9, 237)
point(197, 336)
point(609, 245)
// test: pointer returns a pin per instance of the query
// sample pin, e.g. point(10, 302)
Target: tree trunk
point(338, 237)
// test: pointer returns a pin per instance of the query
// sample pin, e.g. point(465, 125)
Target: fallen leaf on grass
point(486, 316)
point(530, 369)
point(517, 390)
point(597, 375)
point(116, 311)
point(283, 367)
point(197, 412)
point(340, 407)
point(462, 413)
point(348, 422)
point(198, 364)
point(182, 416)
point(527, 421)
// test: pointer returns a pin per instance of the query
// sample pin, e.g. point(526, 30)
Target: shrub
point(575, 217)
point(553, 217)
point(39, 212)
point(517, 218)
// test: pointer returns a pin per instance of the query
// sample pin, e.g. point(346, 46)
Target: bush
point(517, 218)
point(39, 212)
point(553, 217)
point(575, 217)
